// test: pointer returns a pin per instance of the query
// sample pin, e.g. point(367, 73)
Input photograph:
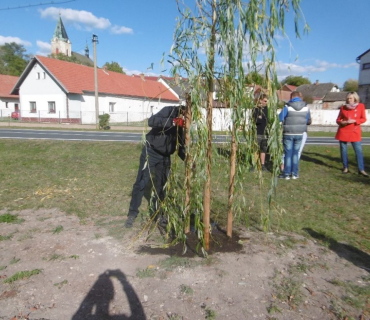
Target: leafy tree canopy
point(295, 81)
point(114, 66)
point(255, 78)
point(13, 59)
point(350, 85)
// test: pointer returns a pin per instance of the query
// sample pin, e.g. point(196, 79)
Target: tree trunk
point(188, 162)
point(231, 182)
point(209, 77)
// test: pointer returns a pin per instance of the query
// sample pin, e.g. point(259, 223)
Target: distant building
point(8, 102)
point(60, 44)
point(316, 92)
point(52, 90)
point(364, 78)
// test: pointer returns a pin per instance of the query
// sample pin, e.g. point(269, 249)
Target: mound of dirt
point(53, 267)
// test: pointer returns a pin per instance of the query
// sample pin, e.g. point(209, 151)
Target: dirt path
point(79, 272)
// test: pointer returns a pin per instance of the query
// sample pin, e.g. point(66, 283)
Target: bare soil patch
point(87, 274)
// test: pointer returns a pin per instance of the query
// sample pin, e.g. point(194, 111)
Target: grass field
point(93, 180)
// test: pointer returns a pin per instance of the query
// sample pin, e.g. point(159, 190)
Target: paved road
point(119, 136)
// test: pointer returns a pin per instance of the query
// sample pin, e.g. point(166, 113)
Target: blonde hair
point(354, 95)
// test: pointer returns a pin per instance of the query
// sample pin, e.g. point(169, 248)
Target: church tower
point(60, 42)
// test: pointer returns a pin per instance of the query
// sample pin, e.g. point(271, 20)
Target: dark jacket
point(164, 136)
point(260, 117)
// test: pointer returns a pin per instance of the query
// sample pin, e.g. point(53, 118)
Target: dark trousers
point(150, 161)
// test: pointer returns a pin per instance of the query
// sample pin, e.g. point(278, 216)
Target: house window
point(366, 66)
point(51, 106)
point(111, 106)
point(37, 75)
point(16, 107)
point(6, 104)
point(44, 74)
point(33, 106)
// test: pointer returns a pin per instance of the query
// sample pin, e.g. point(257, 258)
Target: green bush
point(104, 121)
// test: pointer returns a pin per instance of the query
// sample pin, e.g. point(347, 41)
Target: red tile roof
point(6, 85)
point(289, 87)
point(76, 78)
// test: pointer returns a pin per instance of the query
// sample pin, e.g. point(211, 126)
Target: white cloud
point(138, 72)
point(17, 40)
point(284, 69)
point(44, 48)
point(121, 30)
point(80, 18)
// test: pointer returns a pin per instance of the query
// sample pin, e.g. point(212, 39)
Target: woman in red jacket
point(351, 116)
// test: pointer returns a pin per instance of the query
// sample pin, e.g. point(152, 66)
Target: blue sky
point(137, 33)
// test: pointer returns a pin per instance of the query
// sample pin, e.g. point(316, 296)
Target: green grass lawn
point(93, 180)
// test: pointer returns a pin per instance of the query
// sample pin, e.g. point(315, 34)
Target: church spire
point(60, 32)
point(60, 43)
point(87, 51)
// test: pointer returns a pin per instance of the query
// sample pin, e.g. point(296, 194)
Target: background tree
point(73, 59)
point(295, 81)
point(255, 78)
point(13, 59)
point(114, 66)
point(350, 85)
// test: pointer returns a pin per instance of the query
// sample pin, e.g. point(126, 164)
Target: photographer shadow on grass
point(359, 258)
point(95, 306)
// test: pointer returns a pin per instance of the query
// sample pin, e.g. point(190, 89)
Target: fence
point(221, 118)
point(116, 119)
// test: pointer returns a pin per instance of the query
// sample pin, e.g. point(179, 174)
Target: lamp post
point(95, 40)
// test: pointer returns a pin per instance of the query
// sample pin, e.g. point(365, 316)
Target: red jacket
point(350, 132)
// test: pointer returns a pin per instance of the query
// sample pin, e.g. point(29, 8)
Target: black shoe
point(130, 221)
point(162, 222)
point(263, 168)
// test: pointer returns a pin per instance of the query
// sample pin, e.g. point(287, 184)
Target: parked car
point(15, 115)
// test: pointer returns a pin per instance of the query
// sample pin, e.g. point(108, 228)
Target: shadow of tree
point(348, 252)
point(95, 306)
point(314, 158)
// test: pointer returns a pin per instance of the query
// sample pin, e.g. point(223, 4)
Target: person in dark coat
point(260, 116)
point(165, 137)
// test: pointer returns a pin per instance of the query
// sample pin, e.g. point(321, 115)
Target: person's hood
point(297, 105)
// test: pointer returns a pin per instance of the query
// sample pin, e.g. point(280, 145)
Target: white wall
point(7, 109)
point(329, 117)
point(125, 108)
point(364, 75)
point(41, 91)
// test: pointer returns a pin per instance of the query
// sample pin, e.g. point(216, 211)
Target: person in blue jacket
point(294, 117)
point(165, 137)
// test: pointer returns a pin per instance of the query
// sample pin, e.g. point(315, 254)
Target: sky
point(139, 33)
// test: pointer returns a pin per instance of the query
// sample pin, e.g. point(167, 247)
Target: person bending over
point(161, 142)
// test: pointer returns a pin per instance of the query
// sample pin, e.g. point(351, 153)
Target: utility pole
point(95, 40)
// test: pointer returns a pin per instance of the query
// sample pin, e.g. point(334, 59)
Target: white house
point(59, 91)
point(8, 102)
point(364, 78)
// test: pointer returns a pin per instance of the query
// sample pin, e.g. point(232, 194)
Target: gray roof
point(336, 96)
point(180, 86)
point(83, 59)
point(318, 91)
